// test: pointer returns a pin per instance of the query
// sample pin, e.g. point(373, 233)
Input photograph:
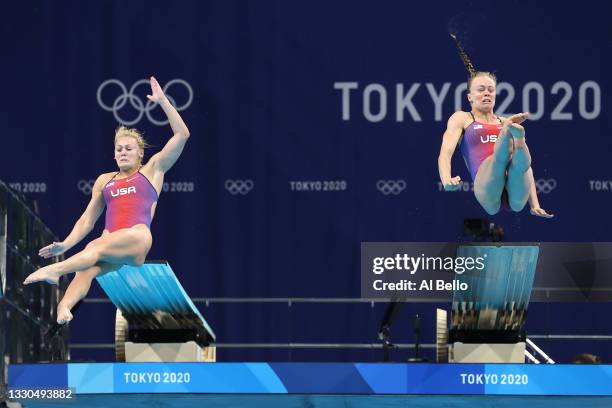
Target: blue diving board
point(504, 285)
point(143, 293)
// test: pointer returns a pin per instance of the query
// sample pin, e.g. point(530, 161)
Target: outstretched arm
point(166, 158)
point(534, 204)
point(450, 140)
point(84, 224)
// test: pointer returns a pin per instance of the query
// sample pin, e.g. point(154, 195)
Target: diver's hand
point(518, 118)
point(513, 124)
point(157, 94)
point(452, 184)
point(55, 249)
point(540, 212)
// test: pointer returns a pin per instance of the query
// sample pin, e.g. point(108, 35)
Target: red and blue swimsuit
point(128, 201)
point(477, 143)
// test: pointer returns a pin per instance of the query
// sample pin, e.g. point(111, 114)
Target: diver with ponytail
point(494, 148)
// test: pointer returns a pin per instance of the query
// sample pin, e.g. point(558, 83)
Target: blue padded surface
point(146, 289)
point(501, 290)
point(508, 276)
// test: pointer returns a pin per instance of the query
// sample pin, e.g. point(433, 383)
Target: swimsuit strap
point(111, 179)
point(474, 118)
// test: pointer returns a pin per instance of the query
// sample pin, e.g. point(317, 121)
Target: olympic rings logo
point(394, 187)
point(136, 103)
point(235, 187)
point(545, 186)
point(85, 186)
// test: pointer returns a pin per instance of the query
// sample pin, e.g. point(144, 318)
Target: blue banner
point(317, 378)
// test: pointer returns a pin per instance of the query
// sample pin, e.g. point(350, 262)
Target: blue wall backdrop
point(303, 115)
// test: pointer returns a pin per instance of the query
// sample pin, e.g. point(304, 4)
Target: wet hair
point(469, 66)
point(123, 131)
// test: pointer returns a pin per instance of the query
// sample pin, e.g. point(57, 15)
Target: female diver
point(130, 196)
point(494, 149)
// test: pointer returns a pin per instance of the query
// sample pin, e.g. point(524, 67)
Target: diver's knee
point(139, 260)
point(491, 210)
point(93, 254)
point(517, 205)
point(490, 206)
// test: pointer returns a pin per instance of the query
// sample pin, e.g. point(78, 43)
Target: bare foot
point(63, 314)
point(517, 131)
point(513, 124)
point(43, 274)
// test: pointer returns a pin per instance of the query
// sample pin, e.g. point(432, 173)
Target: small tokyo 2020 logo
point(600, 185)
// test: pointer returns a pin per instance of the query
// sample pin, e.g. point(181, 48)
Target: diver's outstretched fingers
point(453, 184)
point(157, 94)
point(54, 249)
point(540, 212)
point(518, 118)
point(46, 251)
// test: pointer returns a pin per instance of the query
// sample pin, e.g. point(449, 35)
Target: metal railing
point(290, 301)
point(25, 312)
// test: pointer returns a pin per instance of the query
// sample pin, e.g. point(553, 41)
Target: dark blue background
point(265, 109)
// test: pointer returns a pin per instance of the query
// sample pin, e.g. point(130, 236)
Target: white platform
point(487, 353)
point(168, 352)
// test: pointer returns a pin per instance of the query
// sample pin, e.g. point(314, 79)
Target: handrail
point(275, 345)
point(26, 207)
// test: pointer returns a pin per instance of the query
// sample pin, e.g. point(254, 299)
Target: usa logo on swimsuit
point(488, 138)
point(123, 191)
